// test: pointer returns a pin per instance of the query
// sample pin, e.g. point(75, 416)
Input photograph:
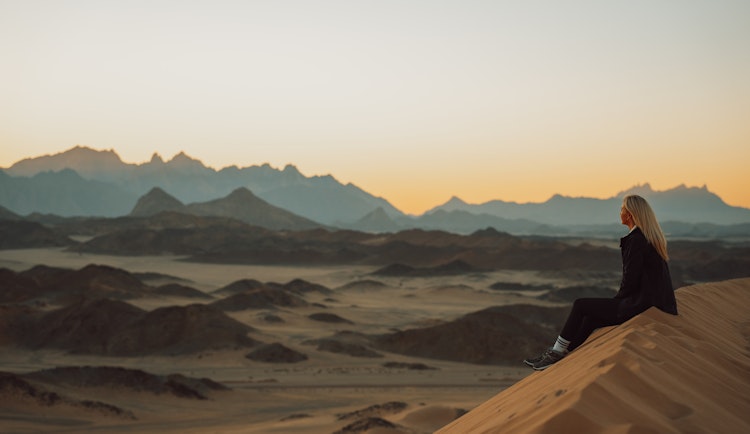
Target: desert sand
point(308, 397)
point(656, 373)
point(639, 370)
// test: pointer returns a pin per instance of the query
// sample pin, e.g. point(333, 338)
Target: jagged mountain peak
point(241, 193)
point(453, 204)
point(377, 220)
point(291, 168)
point(182, 160)
point(77, 158)
point(639, 189)
point(156, 159)
point(109, 181)
point(158, 193)
point(154, 202)
point(378, 212)
point(79, 151)
point(681, 190)
point(455, 200)
point(292, 175)
point(242, 204)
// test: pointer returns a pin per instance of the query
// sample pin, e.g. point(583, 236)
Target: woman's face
point(625, 216)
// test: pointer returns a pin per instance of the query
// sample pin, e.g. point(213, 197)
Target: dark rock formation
point(377, 410)
point(365, 425)
point(262, 298)
point(178, 330)
point(456, 267)
point(110, 327)
point(329, 318)
point(496, 335)
point(133, 379)
point(410, 366)
point(276, 353)
point(177, 290)
point(365, 284)
point(333, 345)
point(18, 234)
point(17, 388)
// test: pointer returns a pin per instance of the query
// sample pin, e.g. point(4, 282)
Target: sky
point(414, 101)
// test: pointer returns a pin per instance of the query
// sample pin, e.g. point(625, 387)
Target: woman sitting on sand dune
point(645, 282)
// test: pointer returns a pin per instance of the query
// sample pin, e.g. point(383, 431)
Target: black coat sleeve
point(633, 256)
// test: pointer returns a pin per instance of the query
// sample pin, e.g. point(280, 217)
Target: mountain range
point(87, 182)
point(241, 204)
point(84, 181)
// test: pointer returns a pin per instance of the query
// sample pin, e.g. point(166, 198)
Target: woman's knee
point(580, 304)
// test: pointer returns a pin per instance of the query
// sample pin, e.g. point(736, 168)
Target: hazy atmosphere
point(412, 101)
point(374, 217)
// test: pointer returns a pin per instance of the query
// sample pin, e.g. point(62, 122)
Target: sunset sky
point(414, 101)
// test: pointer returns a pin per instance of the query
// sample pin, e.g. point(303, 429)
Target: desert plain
point(331, 391)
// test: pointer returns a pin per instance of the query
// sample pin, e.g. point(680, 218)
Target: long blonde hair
point(645, 219)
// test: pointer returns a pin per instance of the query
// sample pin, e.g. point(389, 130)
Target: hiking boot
point(549, 358)
point(532, 360)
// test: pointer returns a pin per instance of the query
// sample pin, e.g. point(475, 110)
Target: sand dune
point(656, 373)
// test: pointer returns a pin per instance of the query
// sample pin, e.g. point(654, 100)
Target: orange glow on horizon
point(480, 100)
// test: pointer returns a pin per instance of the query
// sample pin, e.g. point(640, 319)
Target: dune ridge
point(657, 373)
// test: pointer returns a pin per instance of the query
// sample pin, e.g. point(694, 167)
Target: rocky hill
point(62, 286)
point(18, 234)
point(115, 328)
point(484, 250)
point(241, 205)
point(75, 390)
point(154, 202)
point(496, 335)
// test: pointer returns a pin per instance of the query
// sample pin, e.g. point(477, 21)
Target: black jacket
point(646, 280)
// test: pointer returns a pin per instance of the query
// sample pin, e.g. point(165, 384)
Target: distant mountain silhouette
point(87, 182)
point(318, 198)
point(683, 204)
point(154, 202)
point(88, 162)
point(465, 222)
point(240, 205)
point(6, 214)
point(243, 205)
point(64, 193)
point(375, 221)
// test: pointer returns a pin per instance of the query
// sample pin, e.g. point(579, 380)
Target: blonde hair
point(645, 219)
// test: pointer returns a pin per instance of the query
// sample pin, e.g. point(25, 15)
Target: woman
point(645, 282)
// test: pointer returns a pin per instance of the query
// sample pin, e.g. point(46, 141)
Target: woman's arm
point(633, 252)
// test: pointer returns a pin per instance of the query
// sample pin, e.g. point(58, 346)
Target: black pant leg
point(587, 315)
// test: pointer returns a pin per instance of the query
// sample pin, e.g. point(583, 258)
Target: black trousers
point(587, 315)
